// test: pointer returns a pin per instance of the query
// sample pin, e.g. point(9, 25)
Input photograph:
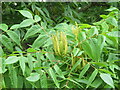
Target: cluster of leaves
point(59, 11)
point(66, 55)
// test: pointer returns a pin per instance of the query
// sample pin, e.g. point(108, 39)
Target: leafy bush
point(37, 54)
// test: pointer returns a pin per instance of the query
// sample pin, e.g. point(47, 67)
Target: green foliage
point(40, 52)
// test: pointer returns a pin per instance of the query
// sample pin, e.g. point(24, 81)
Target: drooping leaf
point(59, 71)
point(92, 77)
point(26, 23)
point(33, 30)
point(39, 41)
point(111, 20)
point(87, 48)
point(75, 65)
point(11, 60)
point(15, 26)
point(22, 63)
point(43, 80)
point(33, 77)
point(86, 67)
point(13, 76)
point(53, 76)
point(107, 79)
point(14, 37)
point(37, 18)
point(46, 11)
point(30, 61)
point(4, 27)
point(105, 27)
point(6, 42)
point(93, 47)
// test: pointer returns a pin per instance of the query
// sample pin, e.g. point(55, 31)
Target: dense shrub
point(45, 48)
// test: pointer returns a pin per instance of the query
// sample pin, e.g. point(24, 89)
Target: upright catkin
point(60, 45)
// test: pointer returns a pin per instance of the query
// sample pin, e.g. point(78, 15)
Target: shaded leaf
point(86, 67)
point(39, 41)
point(75, 65)
point(33, 30)
point(6, 42)
point(43, 80)
point(59, 71)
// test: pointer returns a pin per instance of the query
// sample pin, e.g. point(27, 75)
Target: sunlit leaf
point(15, 26)
point(92, 77)
point(33, 77)
point(4, 27)
point(107, 79)
point(111, 20)
point(11, 60)
point(26, 23)
point(26, 13)
point(37, 18)
point(14, 37)
point(53, 76)
point(22, 63)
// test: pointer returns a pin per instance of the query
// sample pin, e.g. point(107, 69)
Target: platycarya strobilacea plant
point(85, 56)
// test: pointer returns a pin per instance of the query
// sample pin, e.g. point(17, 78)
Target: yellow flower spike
point(60, 43)
point(54, 45)
point(75, 31)
point(65, 42)
point(57, 44)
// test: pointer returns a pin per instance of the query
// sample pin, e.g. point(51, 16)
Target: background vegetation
point(60, 45)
